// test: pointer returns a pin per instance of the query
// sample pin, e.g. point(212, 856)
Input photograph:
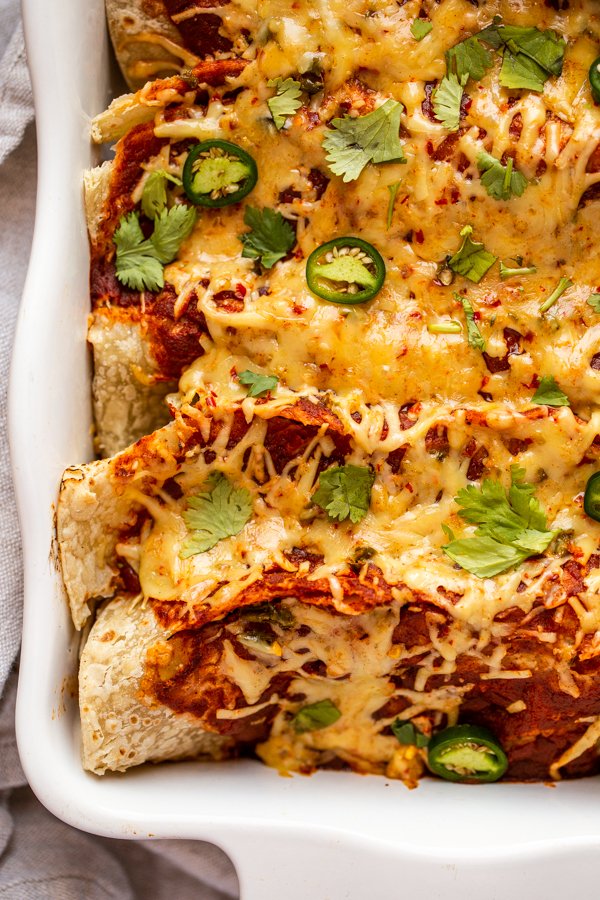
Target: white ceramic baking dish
point(330, 837)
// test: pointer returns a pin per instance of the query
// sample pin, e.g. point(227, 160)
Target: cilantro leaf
point(545, 48)
point(483, 556)
point(549, 393)
point(408, 734)
point(594, 301)
point(271, 236)
point(257, 384)
point(136, 265)
point(472, 259)
point(520, 72)
point(530, 56)
point(220, 510)
point(501, 182)
point(171, 228)
point(511, 526)
point(420, 28)
point(447, 100)
point(469, 59)
point(474, 336)
point(154, 195)
point(286, 101)
point(345, 492)
point(393, 189)
point(316, 716)
point(353, 143)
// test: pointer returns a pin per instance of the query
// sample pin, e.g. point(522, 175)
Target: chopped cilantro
point(271, 236)
point(154, 195)
point(594, 301)
point(474, 336)
point(500, 181)
point(393, 189)
point(447, 99)
point(408, 734)
point(140, 261)
point(472, 259)
point(220, 510)
point(511, 526)
point(530, 56)
point(344, 492)
point(549, 393)
point(508, 272)
point(469, 59)
point(558, 291)
point(257, 384)
point(286, 101)
point(374, 138)
point(420, 28)
point(316, 716)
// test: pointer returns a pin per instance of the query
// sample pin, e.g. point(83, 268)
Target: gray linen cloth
point(41, 857)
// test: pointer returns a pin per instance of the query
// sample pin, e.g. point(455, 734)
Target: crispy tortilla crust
point(121, 727)
point(128, 394)
point(149, 44)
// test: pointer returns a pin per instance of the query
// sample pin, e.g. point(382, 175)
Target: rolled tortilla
point(154, 38)
point(120, 726)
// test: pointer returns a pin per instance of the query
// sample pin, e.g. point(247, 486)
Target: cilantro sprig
point(220, 510)
point(286, 100)
point(256, 383)
point(549, 393)
point(511, 526)
point(500, 181)
point(471, 260)
point(353, 143)
point(140, 261)
point(344, 492)
point(271, 236)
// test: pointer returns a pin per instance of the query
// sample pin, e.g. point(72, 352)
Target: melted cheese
point(366, 362)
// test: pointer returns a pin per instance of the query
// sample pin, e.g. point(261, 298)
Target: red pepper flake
point(419, 236)
point(441, 202)
point(455, 195)
point(409, 487)
point(430, 148)
point(241, 290)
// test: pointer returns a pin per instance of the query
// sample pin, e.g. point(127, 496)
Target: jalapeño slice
point(345, 270)
point(466, 753)
point(591, 498)
point(594, 76)
point(218, 173)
